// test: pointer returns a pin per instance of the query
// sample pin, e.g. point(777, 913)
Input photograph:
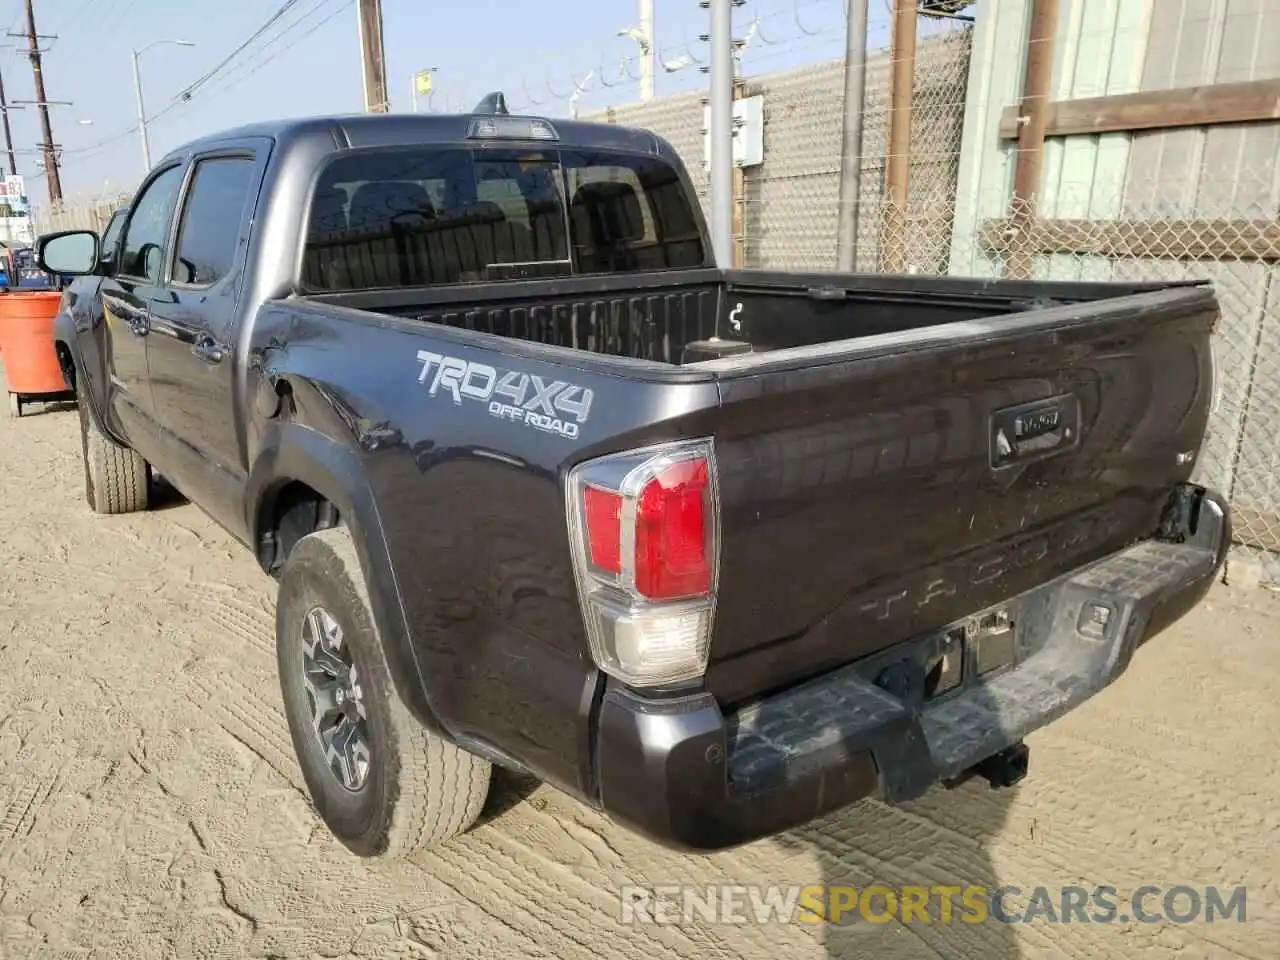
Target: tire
point(418, 789)
point(116, 478)
point(15, 406)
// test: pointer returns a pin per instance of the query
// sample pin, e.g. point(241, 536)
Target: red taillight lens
point(644, 529)
point(671, 533)
point(603, 510)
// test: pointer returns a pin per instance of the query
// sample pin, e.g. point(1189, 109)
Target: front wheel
point(383, 784)
point(116, 478)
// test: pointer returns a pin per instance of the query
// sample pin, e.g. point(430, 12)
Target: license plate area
point(948, 661)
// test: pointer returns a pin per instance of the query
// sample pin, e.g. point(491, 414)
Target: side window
point(148, 228)
point(209, 232)
point(111, 236)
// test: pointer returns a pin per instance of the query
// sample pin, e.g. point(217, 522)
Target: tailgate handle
point(827, 293)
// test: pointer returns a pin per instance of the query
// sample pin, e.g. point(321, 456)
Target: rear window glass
point(410, 218)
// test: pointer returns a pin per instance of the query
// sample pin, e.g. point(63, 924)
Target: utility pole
point(8, 135)
point(50, 155)
point(372, 59)
point(649, 52)
point(722, 130)
point(897, 173)
point(855, 81)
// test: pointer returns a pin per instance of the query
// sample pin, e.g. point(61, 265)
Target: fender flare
point(67, 336)
point(65, 333)
point(300, 454)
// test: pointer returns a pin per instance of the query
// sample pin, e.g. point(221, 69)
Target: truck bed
point(893, 453)
point(657, 317)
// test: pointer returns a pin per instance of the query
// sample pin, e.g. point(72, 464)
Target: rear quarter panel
point(472, 507)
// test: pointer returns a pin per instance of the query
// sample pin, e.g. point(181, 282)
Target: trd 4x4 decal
point(555, 407)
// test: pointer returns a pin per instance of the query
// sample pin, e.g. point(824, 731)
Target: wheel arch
point(66, 346)
point(305, 479)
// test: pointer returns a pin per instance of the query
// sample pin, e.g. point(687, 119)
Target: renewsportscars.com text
point(879, 903)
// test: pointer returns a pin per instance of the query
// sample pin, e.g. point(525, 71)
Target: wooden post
point(52, 178)
point(372, 56)
point(1033, 115)
point(897, 173)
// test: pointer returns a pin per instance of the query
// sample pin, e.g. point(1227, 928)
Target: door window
point(111, 236)
point(142, 256)
point(209, 232)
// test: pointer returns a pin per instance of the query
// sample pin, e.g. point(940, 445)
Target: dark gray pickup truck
point(716, 551)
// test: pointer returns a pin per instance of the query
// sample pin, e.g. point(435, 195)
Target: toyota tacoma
point(544, 487)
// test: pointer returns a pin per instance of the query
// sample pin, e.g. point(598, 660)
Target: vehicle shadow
point(873, 858)
point(163, 495)
point(507, 791)
point(938, 845)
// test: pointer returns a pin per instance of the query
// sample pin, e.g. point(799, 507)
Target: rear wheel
point(116, 478)
point(383, 784)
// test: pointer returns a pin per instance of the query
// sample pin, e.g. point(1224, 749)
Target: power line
point(187, 91)
point(234, 80)
point(73, 18)
point(95, 15)
point(94, 149)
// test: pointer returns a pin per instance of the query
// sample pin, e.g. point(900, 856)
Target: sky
point(308, 63)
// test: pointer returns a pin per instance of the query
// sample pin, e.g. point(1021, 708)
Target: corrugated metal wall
point(1217, 173)
point(1222, 172)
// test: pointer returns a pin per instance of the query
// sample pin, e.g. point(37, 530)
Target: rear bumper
point(692, 777)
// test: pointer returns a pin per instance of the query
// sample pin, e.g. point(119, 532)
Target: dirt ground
point(150, 805)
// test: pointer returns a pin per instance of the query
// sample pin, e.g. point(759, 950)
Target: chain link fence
point(1224, 230)
point(1222, 227)
point(788, 206)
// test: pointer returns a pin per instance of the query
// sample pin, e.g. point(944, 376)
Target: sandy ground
point(150, 805)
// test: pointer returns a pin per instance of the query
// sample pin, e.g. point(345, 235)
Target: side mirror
point(73, 253)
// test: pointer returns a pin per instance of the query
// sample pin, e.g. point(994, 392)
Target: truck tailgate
point(879, 488)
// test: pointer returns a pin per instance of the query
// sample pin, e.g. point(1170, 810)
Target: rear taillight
point(644, 527)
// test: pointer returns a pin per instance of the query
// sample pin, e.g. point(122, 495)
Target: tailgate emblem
point(1033, 431)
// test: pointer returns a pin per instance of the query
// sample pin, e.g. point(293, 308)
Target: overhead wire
point(186, 92)
point(235, 79)
point(199, 88)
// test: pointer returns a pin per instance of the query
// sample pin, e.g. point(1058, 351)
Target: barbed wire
point(791, 28)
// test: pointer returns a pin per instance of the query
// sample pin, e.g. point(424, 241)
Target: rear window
point(412, 218)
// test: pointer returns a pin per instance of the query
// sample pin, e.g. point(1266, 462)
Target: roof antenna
point(494, 104)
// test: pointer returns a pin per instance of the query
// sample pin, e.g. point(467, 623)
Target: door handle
point(208, 350)
point(139, 323)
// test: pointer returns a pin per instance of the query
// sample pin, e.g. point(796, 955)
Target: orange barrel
point(26, 342)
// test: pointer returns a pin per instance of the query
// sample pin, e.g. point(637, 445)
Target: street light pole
point(137, 89)
point(142, 115)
